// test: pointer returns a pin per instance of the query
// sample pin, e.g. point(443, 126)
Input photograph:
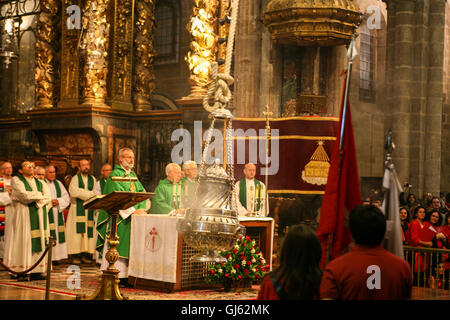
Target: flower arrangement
point(244, 262)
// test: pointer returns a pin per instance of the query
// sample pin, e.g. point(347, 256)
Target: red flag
point(342, 193)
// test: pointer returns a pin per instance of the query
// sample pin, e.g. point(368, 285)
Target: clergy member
point(188, 183)
point(168, 193)
point(80, 222)
point(101, 183)
point(6, 211)
point(60, 201)
point(39, 173)
point(99, 189)
point(117, 182)
point(250, 194)
point(30, 196)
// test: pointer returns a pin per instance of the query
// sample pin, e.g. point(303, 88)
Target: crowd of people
point(35, 205)
point(33, 201)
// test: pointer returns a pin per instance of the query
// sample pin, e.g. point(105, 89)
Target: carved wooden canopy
point(312, 22)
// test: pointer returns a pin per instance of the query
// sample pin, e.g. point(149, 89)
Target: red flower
point(239, 277)
point(235, 251)
point(212, 271)
point(226, 275)
point(246, 272)
point(248, 238)
point(258, 277)
point(227, 256)
point(267, 267)
point(241, 253)
point(243, 258)
point(236, 266)
point(249, 262)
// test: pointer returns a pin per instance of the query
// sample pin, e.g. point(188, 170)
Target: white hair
point(38, 168)
point(170, 166)
point(189, 164)
point(122, 150)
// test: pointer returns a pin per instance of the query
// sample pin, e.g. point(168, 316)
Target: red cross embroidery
point(153, 234)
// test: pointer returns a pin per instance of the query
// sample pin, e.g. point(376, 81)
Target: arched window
point(366, 64)
point(167, 35)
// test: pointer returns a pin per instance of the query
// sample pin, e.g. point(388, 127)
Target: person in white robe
point(6, 209)
point(30, 196)
point(60, 201)
point(80, 222)
point(249, 196)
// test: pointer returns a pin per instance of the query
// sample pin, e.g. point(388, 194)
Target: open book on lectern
point(116, 200)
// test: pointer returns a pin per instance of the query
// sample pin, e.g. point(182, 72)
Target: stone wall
point(445, 162)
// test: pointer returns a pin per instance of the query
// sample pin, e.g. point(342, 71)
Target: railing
point(430, 267)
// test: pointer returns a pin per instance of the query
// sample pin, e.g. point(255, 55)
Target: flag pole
point(351, 54)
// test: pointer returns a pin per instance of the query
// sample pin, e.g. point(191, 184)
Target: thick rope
point(29, 269)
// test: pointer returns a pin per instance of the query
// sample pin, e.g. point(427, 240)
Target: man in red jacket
point(368, 271)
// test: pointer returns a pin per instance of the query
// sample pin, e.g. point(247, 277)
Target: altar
point(160, 259)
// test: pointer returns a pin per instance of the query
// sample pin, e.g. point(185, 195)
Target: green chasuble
point(123, 225)
point(243, 193)
point(163, 201)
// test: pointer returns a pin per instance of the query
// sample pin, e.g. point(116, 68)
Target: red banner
point(299, 151)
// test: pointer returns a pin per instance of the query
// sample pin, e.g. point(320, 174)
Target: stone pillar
point(434, 95)
point(46, 71)
point(247, 63)
point(415, 62)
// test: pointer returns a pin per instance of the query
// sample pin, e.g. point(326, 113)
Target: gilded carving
point(312, 22)
point(203, 44)
point(69, 60)
point(121, 55)
point(46, 71)
point(95, 51)
point(144, 54)
point(224, 27)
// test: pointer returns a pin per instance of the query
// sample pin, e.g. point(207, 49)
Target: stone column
point(401, 62)
point(247, 67)
point(434, 94)
point(46, 71)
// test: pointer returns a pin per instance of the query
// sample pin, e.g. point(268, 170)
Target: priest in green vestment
point(250, 194)
point(169, 193)
point(113, 183)
point(188, 183)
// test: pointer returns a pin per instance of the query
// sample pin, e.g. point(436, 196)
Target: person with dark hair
point(411, 203)
point(299, 274)
point(416, 227)
point(367, 271)
point(405, 222)
point(437, 205)
point(432, 229)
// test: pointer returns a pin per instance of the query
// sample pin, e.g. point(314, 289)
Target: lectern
point(108, 287)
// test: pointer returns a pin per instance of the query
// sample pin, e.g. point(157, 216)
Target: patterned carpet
point(62, 283)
